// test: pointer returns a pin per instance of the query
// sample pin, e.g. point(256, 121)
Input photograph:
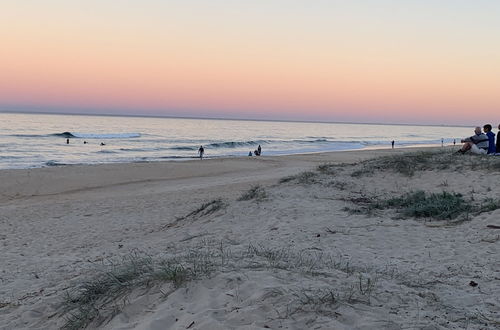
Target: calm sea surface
point(36, 140)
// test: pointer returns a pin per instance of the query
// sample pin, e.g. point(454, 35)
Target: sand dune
point(308, 251)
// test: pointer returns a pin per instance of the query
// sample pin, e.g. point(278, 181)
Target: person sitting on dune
point(491, 138)
point(498, 140)
point(477, 144)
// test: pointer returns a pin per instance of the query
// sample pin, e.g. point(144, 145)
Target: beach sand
point(303, 251)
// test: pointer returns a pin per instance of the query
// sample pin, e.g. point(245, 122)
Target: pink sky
point(332, 61)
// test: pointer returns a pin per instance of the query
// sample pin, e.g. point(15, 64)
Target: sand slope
point(311, 264)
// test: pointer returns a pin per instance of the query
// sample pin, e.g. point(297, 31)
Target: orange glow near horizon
point(236, 63)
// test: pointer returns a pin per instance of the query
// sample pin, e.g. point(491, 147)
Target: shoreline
point(176, 159)
point(53, 180)
point(49, 164)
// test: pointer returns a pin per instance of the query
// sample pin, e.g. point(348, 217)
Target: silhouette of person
point(67, 141)
point(498, 140)
point(259, 149)
point(392, 143)
point(201, 151)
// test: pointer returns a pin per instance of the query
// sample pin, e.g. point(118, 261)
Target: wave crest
point(234, 144)
point(98, 136)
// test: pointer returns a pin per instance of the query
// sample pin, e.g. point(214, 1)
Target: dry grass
point(97, 299)
point(307, 177)
point(257, 193)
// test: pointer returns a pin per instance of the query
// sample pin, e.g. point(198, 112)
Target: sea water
point(37, 140)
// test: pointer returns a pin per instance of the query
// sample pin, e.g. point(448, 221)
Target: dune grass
point(257, 193)
point(208, 208)
point(307, 177)
point(329, 169)
point(489, 205)
point(419, 204)
point(440, 206)
point(409, 163)
point(406, 164)
point(96, 300)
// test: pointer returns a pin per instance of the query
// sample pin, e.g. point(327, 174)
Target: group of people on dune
point(482, 142)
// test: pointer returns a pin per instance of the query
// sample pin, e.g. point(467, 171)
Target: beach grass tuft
point(419, 204)
point(440, 206)
point(307, 177)
point(102, 296)
point(208, 208)
point(409, 163)
point(406, 164)
point(489, 205)
point(204, 210)
point(255, 193)
point(94, 301)
point(329, 169)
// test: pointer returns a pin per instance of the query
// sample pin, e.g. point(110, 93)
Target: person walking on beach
point(259, 149)
point(491, 138)
point(201, 151)
point(392, 143)
point(477, 144)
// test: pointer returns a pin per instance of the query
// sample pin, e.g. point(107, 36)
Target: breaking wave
point(235, 144)
point(69, 135)
point(54, 163)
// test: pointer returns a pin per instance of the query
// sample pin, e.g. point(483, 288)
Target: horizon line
point(221, 118)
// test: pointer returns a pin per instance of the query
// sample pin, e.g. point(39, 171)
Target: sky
point(384, 61)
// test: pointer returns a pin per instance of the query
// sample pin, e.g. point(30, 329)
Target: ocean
point(38, 140)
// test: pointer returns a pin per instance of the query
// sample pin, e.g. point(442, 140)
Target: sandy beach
point(312, 241)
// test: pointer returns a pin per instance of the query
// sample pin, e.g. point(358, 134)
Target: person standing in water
point(201, 151)
point(259, 149)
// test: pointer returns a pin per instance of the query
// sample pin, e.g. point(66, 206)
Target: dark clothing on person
point(498, 142)
point(491, 142)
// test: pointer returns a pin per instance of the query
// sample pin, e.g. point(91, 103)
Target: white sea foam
point(106, 136)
